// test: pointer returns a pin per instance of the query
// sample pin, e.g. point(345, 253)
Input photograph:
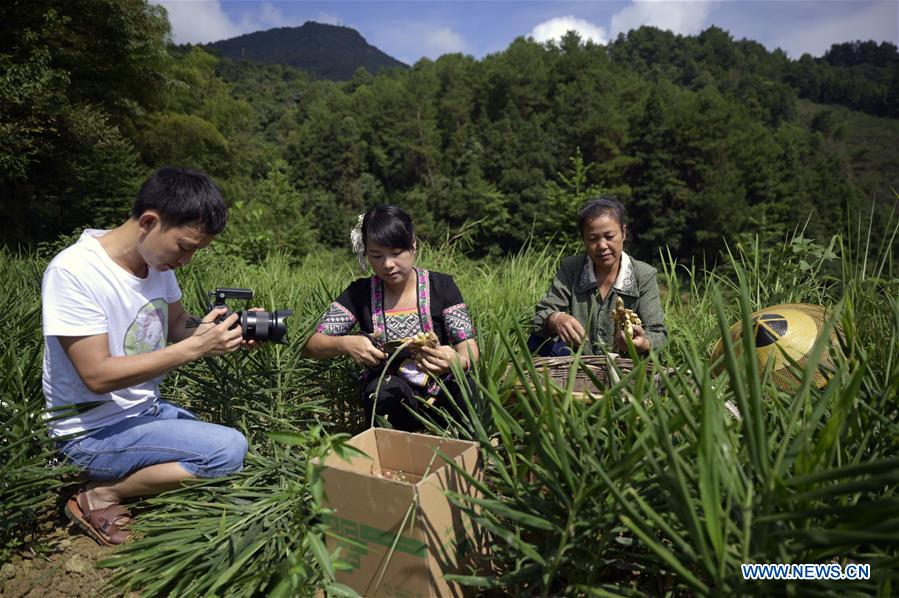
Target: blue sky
point(410, 30)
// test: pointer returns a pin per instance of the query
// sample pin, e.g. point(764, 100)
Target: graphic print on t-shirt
point(148, 330)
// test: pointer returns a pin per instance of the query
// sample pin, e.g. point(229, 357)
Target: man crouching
point(113, 326)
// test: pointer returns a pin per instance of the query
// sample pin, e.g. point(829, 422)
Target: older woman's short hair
point(601, 206)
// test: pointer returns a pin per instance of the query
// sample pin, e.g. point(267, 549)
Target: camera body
point(254, 325)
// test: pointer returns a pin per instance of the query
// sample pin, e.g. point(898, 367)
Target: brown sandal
point(106, 526)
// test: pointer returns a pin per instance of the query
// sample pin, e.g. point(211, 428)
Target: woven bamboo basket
point(606, 370)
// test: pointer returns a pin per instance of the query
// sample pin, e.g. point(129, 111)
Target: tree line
point(699, 135)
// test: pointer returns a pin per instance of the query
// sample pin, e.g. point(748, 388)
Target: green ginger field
point(652, 490)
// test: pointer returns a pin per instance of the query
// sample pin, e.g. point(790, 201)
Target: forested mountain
point(328, 51)
point(705, 138)
point(859, 75)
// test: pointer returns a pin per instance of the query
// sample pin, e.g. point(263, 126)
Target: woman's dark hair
point(388, 226)
point(601, 206)
point(183, 197)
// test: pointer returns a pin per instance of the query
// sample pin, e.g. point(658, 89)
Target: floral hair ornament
point(357, 244)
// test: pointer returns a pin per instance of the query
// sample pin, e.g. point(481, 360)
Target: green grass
point(29, 476)
point(650, 490)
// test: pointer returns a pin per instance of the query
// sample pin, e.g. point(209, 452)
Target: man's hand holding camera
point(255, 324)
point(224, 326)
point(214, 337)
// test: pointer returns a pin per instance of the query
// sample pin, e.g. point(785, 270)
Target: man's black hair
point(183, 197)
point(601, 206)
point(389, 227)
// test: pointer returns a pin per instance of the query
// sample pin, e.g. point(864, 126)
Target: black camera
point(255, 325)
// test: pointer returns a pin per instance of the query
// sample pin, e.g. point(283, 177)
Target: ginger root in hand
point(625, 319)
point(424, 339)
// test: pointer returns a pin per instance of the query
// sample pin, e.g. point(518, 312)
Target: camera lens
point(265, 325)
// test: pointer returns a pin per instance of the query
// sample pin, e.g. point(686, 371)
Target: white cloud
point(683, 17)
point(444, 41)
point(206, 21)
point(270, 16)
point(198, 22)
point(409, 42)
point(554, 29)
point(877, 21)
point(329, 19)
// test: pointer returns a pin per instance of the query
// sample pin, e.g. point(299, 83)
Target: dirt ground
point(64, 565)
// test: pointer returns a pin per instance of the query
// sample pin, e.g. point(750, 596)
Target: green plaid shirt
point(574, 291)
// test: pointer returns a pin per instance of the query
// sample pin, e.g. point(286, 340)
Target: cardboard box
point(401, 478)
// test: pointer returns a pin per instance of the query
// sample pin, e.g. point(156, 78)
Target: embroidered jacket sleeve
point(344, 312)
point(457, 322)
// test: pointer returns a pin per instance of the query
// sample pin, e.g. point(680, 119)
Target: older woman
point(578, 306)
point(398, 302)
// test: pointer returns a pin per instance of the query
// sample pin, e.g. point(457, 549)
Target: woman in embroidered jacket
point(399, 301)
point(585, 289)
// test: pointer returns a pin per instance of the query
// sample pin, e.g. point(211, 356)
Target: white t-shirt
point(85, 293)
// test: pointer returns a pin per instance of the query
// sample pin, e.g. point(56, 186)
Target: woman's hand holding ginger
point(437, 360)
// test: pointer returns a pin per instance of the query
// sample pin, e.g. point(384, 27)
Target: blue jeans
point(164, 433)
